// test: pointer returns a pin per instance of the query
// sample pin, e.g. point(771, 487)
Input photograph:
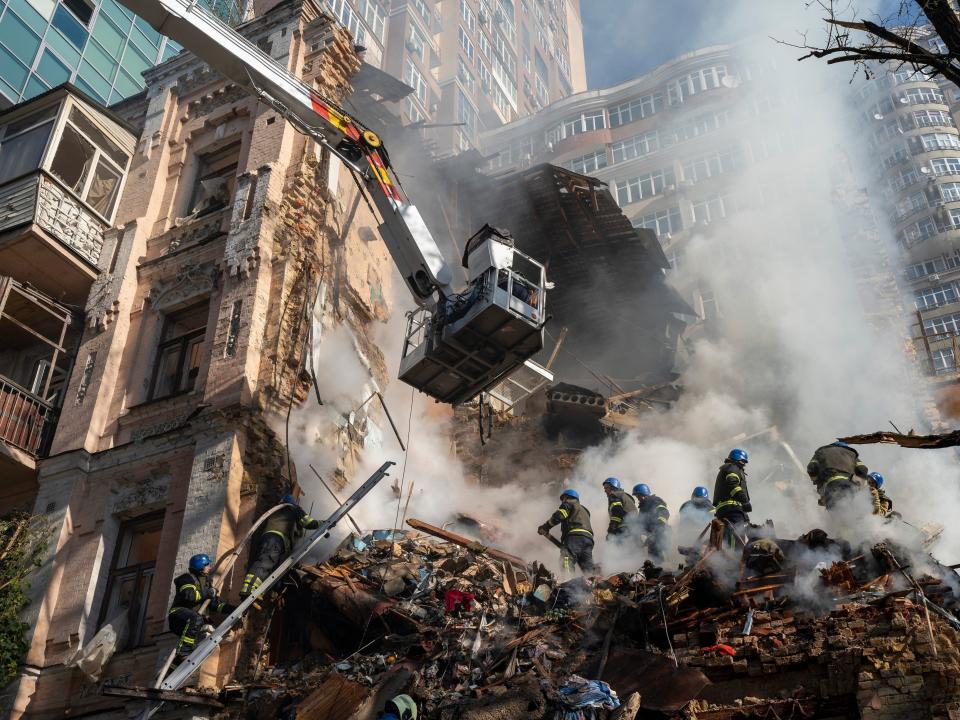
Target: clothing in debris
point(763, 556)
point(191, 590)
point(280, 533)
point(620, 506)
point(576, 534)
point(838, 473)
point(653, 516)
point(579, 693)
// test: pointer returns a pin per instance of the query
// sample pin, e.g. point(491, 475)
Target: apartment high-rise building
point(912, 120)
point(97, 45)
point(472, 64)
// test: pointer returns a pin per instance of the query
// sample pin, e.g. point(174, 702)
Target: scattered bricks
point(865, 676)
point(740, 666)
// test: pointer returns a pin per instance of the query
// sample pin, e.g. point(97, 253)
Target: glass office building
point(100, 47)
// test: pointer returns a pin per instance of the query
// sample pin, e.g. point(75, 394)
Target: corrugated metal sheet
point(18, 201)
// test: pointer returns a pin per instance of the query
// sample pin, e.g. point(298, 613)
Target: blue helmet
point(613, 482)
point(570, 493)
point(289, 499)
point(738, 455)
point(642, 489)
point(199, 561)
point(700, 492)
point(877, 479)
point(840, 443)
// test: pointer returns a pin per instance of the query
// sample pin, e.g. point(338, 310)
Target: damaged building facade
point(181, 275)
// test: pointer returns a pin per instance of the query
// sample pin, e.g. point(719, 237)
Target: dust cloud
point(792, 348)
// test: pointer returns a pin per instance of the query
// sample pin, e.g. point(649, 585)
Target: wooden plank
point(163, 695)
point(465, 542)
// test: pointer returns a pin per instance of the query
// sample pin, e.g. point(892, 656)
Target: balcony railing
point(44, 200)
point(26, 422)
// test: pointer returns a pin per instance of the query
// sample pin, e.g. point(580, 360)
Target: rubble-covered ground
point(805, 628)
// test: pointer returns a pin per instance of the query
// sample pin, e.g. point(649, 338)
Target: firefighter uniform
point(837, 472)
point(731, 498)
point(696, 508)
point(620, 506)
point(183, 619)
point(653, 517)
point(280, 533)
point(576, 534)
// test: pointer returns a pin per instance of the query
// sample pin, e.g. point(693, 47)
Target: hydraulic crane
point(458, 343)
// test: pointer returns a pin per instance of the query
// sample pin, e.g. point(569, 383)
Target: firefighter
point(837, 472)
point(699, 507)
point(576, 533)
point(192, 588)
point(620, 507)
point(280, 533)
point(402, 707)
point(653, 518)
point(882, 505)
point(731, 498)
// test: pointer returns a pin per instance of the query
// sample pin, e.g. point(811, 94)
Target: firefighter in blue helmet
point(620, 507)
point(838, 473)
point(191, 590)
point(279, 534)
point(731, 498)
point(576, 533)
point(699, 505)
point(653, 517)
point(882, 505)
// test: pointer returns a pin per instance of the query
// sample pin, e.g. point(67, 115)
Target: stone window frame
point(185, 343)
point(143, 572)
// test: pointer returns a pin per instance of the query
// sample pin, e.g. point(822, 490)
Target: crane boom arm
point(407, 237)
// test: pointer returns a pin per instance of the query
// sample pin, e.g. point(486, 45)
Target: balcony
point(63, 162)
point(36, 340)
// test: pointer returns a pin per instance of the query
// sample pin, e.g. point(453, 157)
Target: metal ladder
point(205, 648)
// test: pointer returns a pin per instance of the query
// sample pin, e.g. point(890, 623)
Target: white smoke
point(793, 349)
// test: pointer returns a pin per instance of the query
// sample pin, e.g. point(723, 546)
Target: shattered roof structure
point(610, 288)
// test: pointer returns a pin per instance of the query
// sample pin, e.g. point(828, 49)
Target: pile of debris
point(475, 633)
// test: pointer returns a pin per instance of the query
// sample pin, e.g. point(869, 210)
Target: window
point(700, 125)
point(375, 17)
point(923, 95)
point(635, 109)
point(22, 143)
point(466, 114)
point(588, 163)
point(950, 192)
point(519, 151)
point(902, 180)
point(634, 147)
point(937, 45)
point(662, 221)
point(465, 76)
point(954, 214)
point(180, 352)
point(484, 44)
point(131, 574)
point(414, 78)
point(899, 155)
point(908, 74)
point(940, 141)
point(637, 188)
point(704, 79)
point(469, 19)
point(422, 8)
point(484, 72)
point(928, 267)
point(932, 118)
point(216, 178)
point(416, 43)
point(89, 163)
point(701, 168)
point(465, 43)
point(80, 8)
point(413, 112)
point(943, 325)
point(347, 17)
point(940, 166)
point(943, 360)
point(711, 208)
point(933, 297)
